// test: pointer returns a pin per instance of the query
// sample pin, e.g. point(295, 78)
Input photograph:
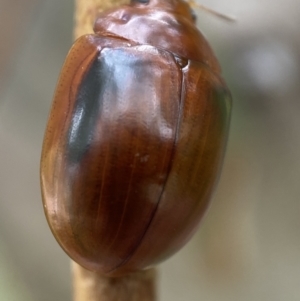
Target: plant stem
point(90, 286)
point(86, 12)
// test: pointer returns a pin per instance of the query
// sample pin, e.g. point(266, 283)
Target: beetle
point(135, 139)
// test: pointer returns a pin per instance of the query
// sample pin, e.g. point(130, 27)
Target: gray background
point(248, 247)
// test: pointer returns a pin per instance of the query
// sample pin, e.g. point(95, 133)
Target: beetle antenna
point(211, 11)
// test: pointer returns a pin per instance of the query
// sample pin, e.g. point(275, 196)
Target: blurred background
point(248, 246)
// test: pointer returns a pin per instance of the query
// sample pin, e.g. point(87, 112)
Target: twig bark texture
point(90, 286)
point(86, 13)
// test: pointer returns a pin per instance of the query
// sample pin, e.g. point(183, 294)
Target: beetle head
point(136, 8)
point(165, 24)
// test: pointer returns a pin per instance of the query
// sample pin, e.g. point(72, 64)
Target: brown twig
point(86, 12)
point(90, 286)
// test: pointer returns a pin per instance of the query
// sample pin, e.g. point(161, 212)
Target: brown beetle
point(135, 139)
